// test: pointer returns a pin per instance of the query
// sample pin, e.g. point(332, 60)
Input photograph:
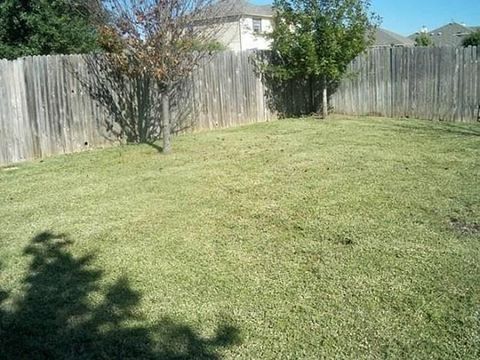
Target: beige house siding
point(239, 35)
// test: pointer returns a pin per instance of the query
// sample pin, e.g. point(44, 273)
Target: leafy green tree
point(423, 39)
point(472, 40)
point(317, 39)
point(42, 27)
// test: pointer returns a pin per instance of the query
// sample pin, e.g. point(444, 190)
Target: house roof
point(451, 34)
point(244, 8)
point(385, 37)
point(259, 10)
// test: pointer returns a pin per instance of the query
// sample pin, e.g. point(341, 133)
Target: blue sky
point(408, 16)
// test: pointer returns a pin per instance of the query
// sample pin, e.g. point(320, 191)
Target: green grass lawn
point(346, 238)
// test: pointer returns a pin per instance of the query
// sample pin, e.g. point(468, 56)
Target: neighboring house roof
point(448, 35)
point(257, 10)
point(385, 37)
point(244, 8)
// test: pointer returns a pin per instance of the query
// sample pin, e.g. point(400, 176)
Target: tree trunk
point(324, 100)
point(167, 146)
point(313, 105)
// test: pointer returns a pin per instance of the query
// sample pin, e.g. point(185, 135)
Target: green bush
point(472, 40)
point(423, 40)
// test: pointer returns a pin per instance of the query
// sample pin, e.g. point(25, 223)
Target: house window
point(257, 25)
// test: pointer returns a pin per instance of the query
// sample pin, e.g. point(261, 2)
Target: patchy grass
point(347, 238)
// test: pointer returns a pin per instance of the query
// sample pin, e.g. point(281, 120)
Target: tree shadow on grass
point(56, 320)
point(439, 128)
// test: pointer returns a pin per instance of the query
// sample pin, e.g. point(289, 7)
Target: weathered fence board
point(426, 83)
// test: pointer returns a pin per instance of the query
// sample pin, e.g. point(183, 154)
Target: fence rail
point(426, 83)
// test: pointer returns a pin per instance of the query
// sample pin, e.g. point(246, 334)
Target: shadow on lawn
point(439, 128)
point(55, 320)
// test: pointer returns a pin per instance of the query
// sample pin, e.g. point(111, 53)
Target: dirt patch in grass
point(464, 227)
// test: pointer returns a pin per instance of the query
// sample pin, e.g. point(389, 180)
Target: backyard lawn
point(347, 238)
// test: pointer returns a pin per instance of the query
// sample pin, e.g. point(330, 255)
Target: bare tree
point(161, 42)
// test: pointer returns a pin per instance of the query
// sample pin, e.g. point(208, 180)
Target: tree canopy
point(43, 27)
point(319, 37)
point(472, 40)
point(423, 39)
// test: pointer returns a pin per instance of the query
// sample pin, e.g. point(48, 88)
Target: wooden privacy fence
point(425, 83)
point(47, 106)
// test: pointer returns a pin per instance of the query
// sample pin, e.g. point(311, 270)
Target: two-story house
point(245, 27)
